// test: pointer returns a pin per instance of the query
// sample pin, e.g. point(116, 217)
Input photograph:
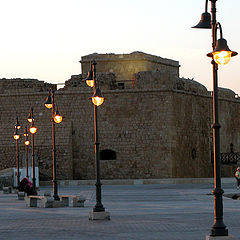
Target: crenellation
point(189, 85)
point(20, 86)
point(226, 93)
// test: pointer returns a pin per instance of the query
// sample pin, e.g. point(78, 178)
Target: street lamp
point(33, 129)
point(89, 80)
point(26, 142)
point(221, 54)
point(17, 126)
point(56, 118)
point(97, 100)
point(16, 137)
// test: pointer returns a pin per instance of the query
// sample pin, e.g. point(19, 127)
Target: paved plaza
point(138, 212)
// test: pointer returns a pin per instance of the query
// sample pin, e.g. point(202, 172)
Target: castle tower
point(125, 65)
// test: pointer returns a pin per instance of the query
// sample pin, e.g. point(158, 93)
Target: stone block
point(65, 200)
point(7, 190)
point(30, 202)
point(47, 194)
point(138, 181)
point(78, 201)
point(47, 202)
point(99, 215)
point(229, 237)
point(15, 191)
point(57, 204)
point(21, 195)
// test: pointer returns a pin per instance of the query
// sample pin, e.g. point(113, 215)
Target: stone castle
point(153, 123)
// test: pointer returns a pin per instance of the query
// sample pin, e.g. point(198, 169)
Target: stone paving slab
point(138, 212)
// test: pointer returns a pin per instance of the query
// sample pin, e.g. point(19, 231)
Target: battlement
point(227, 93)
point(106, 80)
point(19, 85)
point(189, 85)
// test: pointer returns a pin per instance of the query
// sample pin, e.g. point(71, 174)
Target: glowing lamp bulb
point(222, 57)
point(90, 83)
point(49, 106)
point(97, 101)
point(16, 136)
point(57, 118)
point(30, 119)
point(33, 129)
point(27, 142)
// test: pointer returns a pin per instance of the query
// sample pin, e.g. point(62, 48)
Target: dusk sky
point(45, 39)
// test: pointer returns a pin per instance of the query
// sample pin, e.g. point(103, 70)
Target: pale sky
point(45, 39)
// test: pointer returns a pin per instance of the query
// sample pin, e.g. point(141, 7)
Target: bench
point(46, 202)
point(7, 190)
point(78, 201)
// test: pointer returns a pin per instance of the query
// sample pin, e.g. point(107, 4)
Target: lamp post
point(16, 136)
point(221, 54)
point(97, 100)
point(56, 118)
point(26, 142)
point(33, 129)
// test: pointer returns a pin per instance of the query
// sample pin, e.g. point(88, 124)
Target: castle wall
point(13, 105)
point(126, 127)
point(160, 128)
point(230, 129)
point(190, 135)
point(156, 133)
point(140, 136)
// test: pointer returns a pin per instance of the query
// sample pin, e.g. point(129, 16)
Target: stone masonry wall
point(20, 104)
point(156, 133)
point(128, 132)
point(19, 86)
point(160, 128)
point(230, 125)
point(190, 135)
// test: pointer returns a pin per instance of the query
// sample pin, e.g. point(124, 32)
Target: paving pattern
point(138, 212)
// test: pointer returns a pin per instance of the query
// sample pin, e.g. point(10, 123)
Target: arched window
point(108, 154)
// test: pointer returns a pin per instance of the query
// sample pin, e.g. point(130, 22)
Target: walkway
point(138, 212)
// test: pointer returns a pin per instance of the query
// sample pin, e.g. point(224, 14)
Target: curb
point(138, 181)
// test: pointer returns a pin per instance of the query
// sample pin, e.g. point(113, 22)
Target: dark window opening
point(108, 154)
point(231, 147)
point(121, 85)
point(194, 153)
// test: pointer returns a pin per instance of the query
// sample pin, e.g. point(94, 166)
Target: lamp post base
point(230, 237)
point(99, 215)
point(56, 197)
